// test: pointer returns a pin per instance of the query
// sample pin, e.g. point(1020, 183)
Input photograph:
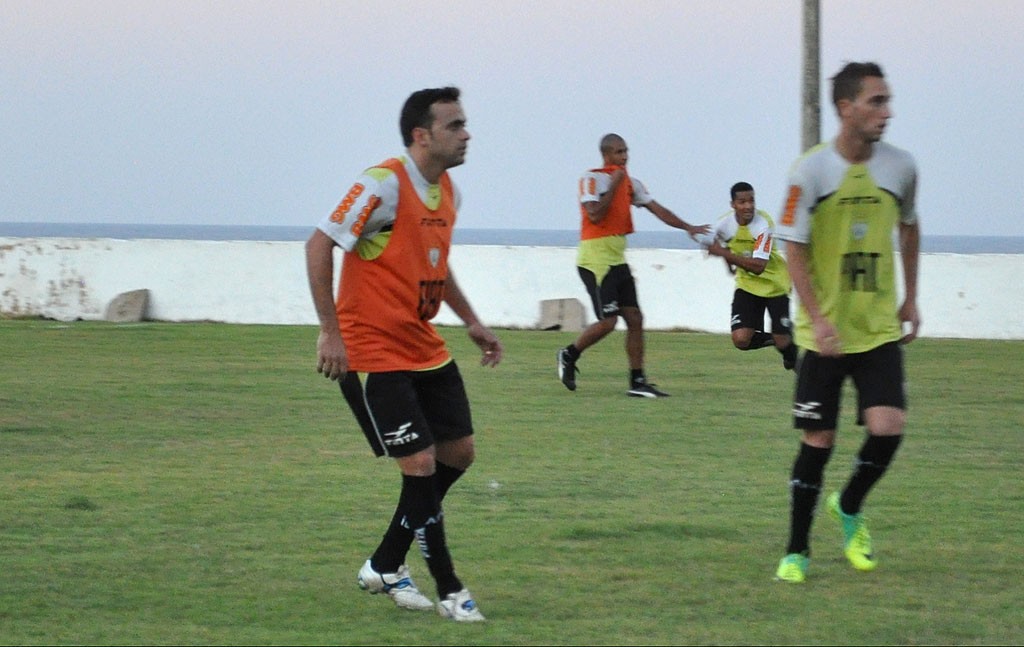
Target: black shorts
point(616, 291)
point(404, 412)
point(877, 375)
point(748, 312)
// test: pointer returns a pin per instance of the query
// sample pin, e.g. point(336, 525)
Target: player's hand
point(488, 343)
point(702, 236)
point(827, 338)
point(696, 231)
point(616, 177)
point(715, 248)
point(908, 314)
point(331, 359)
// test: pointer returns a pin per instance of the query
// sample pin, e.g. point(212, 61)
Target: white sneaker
point(398, 585)
point(460, 607)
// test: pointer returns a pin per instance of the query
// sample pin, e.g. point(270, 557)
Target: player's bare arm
point(825, 334)
point(666, 215)
point(910, 246)
point(752, 265)
point(598, 211)
point(481, 335)
point(331, 360)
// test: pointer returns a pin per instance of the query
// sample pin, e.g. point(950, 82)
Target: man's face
point(617, 154)
point(869, 113)
point(448, 135)
point(743, 205)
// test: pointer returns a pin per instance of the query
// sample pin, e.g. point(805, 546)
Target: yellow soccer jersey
point(755, 240)
point(846, 215)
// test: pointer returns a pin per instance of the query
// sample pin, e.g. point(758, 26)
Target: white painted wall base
point(960, 295)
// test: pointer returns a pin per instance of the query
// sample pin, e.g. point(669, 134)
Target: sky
point(232, 112)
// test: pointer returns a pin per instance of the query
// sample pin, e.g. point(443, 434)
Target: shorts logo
point(610, 308)
point(807, 410)
point(403, 436)
point(735, 320)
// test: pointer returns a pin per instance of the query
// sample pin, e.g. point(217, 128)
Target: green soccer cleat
point(856, 538)
point(793, 568)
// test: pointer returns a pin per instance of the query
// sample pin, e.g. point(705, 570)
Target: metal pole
point(811, 108)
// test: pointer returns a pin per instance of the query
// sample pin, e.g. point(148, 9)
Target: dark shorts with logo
point(748, 312)
point(877, 375)
point(404, 412)
point(617, 290)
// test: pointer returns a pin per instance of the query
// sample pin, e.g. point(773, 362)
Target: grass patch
point(201, 484)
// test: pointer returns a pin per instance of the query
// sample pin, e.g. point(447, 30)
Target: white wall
point(265, 282)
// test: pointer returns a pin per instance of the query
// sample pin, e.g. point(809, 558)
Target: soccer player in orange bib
point(606, 197)
point(396, 373)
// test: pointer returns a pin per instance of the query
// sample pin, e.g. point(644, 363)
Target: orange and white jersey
point(595, 182)
point(369, 206)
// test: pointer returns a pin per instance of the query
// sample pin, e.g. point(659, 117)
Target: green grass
point(201, 484)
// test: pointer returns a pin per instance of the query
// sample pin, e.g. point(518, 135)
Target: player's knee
point(634, 318)
point(459, 454)
point(607, 324)
point(421, 463)
point(885, 421)
point(741, 339)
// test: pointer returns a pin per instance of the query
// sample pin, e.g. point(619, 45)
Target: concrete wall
point(963, 296)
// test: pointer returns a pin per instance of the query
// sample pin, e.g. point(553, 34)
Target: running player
point(607, 196)
point(743, 238)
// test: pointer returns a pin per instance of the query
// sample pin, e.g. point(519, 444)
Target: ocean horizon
point(663, 239)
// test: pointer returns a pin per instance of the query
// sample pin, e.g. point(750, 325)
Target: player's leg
point(815, 414)
point(603, 298)
point(878, 376)
point(385, 571)
point(445, 405)
point(624, 284)
point(747, 321)
point(782, 329)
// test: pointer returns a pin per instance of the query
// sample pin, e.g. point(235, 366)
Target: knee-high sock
point(394, 546)
point(804, 489)
point(871, 463)
point(425, 517)
point(760, 339)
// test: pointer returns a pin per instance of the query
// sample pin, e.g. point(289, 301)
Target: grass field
point(201, 484)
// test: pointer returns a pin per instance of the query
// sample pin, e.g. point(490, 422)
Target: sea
point(664, 239)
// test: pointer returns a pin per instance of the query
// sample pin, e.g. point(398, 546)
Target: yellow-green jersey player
point(845, 199)
point(744, 239)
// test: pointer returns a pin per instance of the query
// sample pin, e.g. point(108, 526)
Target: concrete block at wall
point(562, 314)
point(128, 306)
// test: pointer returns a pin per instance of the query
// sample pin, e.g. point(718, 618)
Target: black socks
point(875, 455)
point(804, 488)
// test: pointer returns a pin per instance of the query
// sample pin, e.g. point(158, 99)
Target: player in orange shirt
point(396, 373)
point(607, 196)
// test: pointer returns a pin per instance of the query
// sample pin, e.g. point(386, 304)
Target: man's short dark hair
point(738, 187)
point(416, 112)
point(610, 141)
point(847, 83)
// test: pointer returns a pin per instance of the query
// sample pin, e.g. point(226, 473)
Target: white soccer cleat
point(460, 607)
point(399, 586)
